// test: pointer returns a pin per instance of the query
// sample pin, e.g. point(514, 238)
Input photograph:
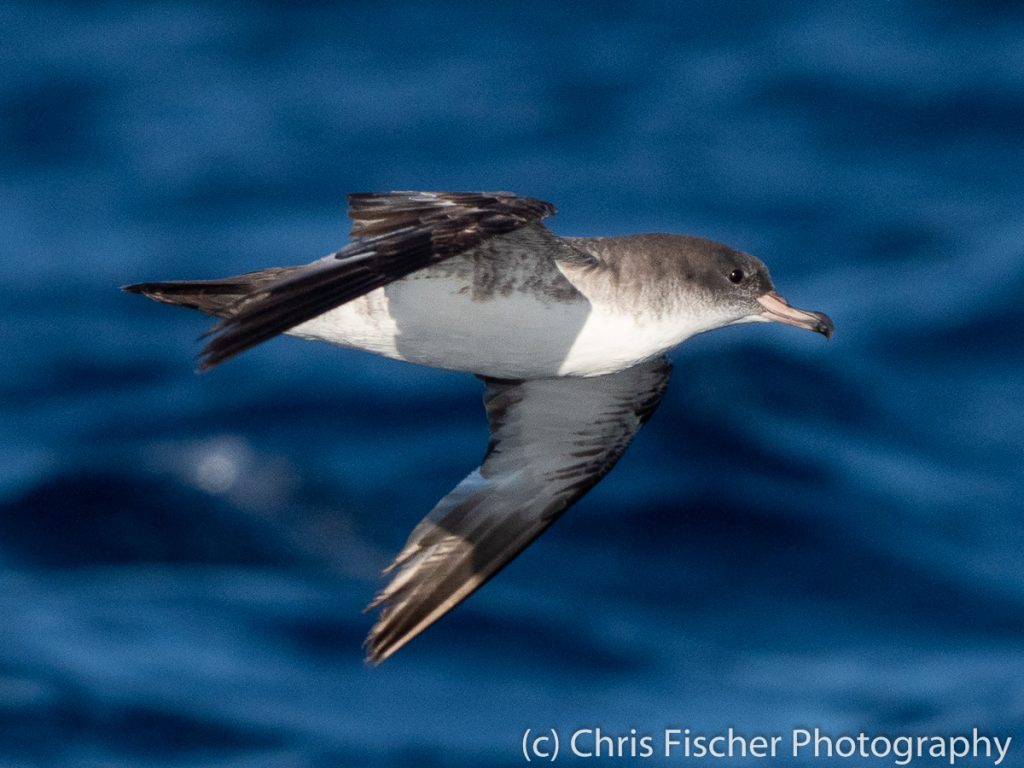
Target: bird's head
point(740, 289)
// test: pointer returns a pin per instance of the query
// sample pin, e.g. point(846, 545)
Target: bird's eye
point(736, 276)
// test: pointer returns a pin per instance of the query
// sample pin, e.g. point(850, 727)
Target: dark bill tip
point(778, 310)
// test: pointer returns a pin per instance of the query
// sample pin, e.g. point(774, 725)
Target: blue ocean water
point(806, 534)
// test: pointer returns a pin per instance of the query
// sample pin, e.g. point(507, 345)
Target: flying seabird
point(568, 334)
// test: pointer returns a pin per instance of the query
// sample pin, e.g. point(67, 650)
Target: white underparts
point(523, 334)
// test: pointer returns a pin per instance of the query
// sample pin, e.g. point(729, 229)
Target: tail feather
point(223, 297)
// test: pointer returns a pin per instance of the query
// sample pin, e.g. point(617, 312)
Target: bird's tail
point(222, 298)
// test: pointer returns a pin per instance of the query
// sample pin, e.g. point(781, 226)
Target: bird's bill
point(777, 309)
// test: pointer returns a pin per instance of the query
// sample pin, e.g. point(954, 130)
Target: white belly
point(435, 322)
point(430, 322)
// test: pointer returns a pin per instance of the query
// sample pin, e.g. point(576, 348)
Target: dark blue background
point(806, 533)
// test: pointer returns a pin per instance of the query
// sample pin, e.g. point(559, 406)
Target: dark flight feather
point(395, 233)
point(551, 441)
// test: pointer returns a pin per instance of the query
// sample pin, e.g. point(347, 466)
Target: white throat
point(614, 338)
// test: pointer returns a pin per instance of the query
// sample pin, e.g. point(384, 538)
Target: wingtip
point(385, 637)
point(204, 358)
point(209, 357)
point(375, 652)
point(215, 351)
point(378, 650)
point(151, 290)
point(371, 655)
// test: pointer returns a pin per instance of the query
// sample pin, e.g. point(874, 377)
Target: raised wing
point(395, 234)
point(551, 441)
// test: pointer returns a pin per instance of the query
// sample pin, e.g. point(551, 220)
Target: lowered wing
point(551, 441)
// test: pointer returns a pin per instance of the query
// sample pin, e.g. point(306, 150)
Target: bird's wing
point(551, 441)
point(394, 234)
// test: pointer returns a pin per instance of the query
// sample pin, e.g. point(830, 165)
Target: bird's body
point(526, 304)
point(499, 310)
point(569, 335)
